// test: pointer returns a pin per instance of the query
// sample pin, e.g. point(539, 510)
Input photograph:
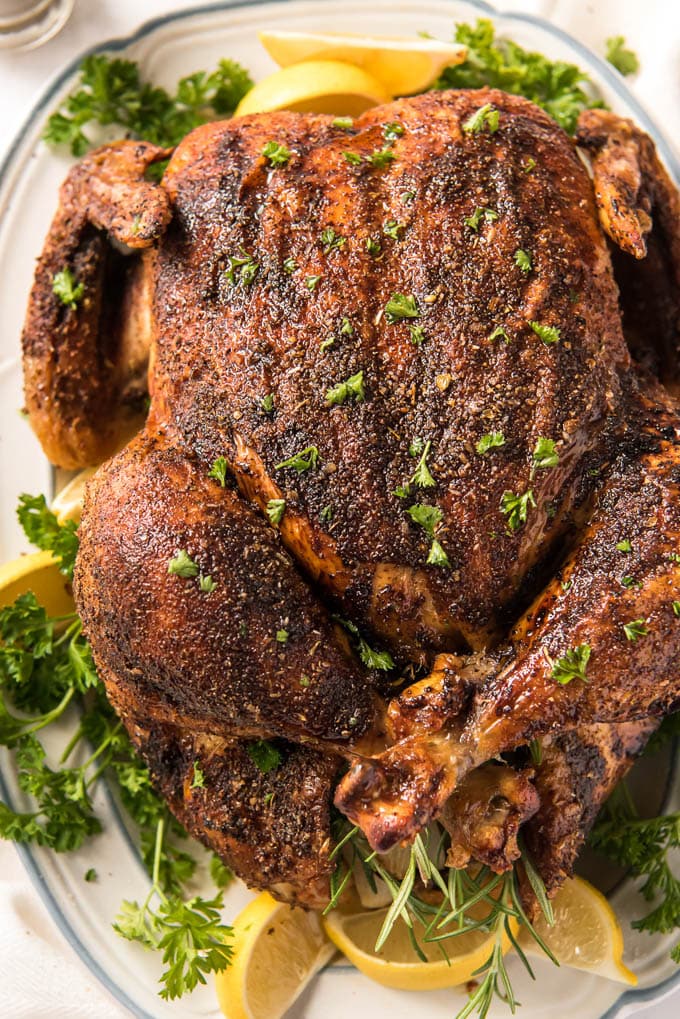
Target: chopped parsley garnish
point(392, 131)
point(492, 440)
point(516, 507)
point(416, 446)
point(572, 665)
point(371, 658)
point(289, 265)
point(401, 306)
point(302, 461)
point(344, 123)
point(554, 85)
point(629, 582)
point(421, 476)
point(544, 455)
point(90, 875)
point(549, 334)
point(473, 221)
point(351, 389)
point(619, 56)
point(206, 584)
point(311, 282)
point(486, 116)
point(523, 260)
point(353, 158)
point(331, 240)
point(66, 289)
point(327, 344)
point(427, 517)
point(264, 755)
point(529, 165)
point(282, 636)
point(277, 154)
point(392, 229)
point(182, 565)
point(437, 556)
point(407, 197)
point(635, 628)
point(676, 607)
point(275, 510)
point(244, 266)
point(402, 491)
point(267, 403)
point(218, 471)
point(418, 335)
point(624, 546)
point(346, 327)
point(673, 556)
point(373, 246)
point(499, 333)
point(381, 157)
point(326, 514)
point(110, 91)
point(305, 681)
point(198, 779)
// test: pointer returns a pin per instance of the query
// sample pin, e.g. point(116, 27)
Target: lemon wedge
point(316, 86)
point(403, 66)
point(277, 951)
point(37, 572)
point(586, 934)
point(396, 964)
point(68, 505)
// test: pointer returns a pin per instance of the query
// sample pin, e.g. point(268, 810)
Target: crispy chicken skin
point(261, 285)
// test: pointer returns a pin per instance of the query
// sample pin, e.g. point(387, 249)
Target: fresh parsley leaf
point(353, 158)
point(544, 454)
point(343, 123)
point(392, 131)
point(473, 221)
point(549, 334)
point(422, 478)
point(111, 91)
point(635, 628)
point(289, 265)
point(373, 246)
point(371, 658)
point(242, 268)
point(282, 636)
point(492, 440)
point(275, 510)
point(42, 529)
point(218, 471)
point(267, 403)
point(499, 332)
point(516, 507)
point(220, 873)
point(572, 665)
point(346, 327)
point(624, 546)
point(311, 282)
point(437, 556)
point(351, 389)
point(182, 565)
point(381, 157)
point(427, 517)
point(206, 584)
point(276, 154)
point(331, 240)
point(264, 755)
point(619, 56)
point(401, 306)
point(523, 260)
point(67, 290)
point(302, 461)
point(418, 335)
point(486, 116)
point(198, 780)
point(393, 229)
point(327, 344)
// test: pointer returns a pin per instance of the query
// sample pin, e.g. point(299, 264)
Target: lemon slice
point(396, 964)
point(38, 573)
point(586, 934)
point(403, 66)
point(317, 86)
point(68, 505)
point(277, 950)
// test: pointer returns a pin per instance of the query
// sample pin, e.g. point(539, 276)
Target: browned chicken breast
point(393, 404)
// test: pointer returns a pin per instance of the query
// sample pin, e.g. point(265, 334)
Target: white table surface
point(651, 27)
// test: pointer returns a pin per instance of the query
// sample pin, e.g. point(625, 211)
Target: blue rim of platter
point(44, 103)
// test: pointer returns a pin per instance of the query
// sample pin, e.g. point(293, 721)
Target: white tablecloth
point(39, 973)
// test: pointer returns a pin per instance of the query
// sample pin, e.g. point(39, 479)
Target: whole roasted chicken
point(406, 500)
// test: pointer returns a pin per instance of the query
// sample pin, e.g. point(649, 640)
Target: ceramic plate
point(167, 49)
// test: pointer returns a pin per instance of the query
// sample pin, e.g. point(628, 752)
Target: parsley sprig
point(112, 91)
point(562, 90)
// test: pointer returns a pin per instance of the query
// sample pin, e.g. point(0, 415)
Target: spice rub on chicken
point(398, 467)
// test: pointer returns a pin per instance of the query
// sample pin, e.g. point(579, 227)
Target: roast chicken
point(402, 496)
